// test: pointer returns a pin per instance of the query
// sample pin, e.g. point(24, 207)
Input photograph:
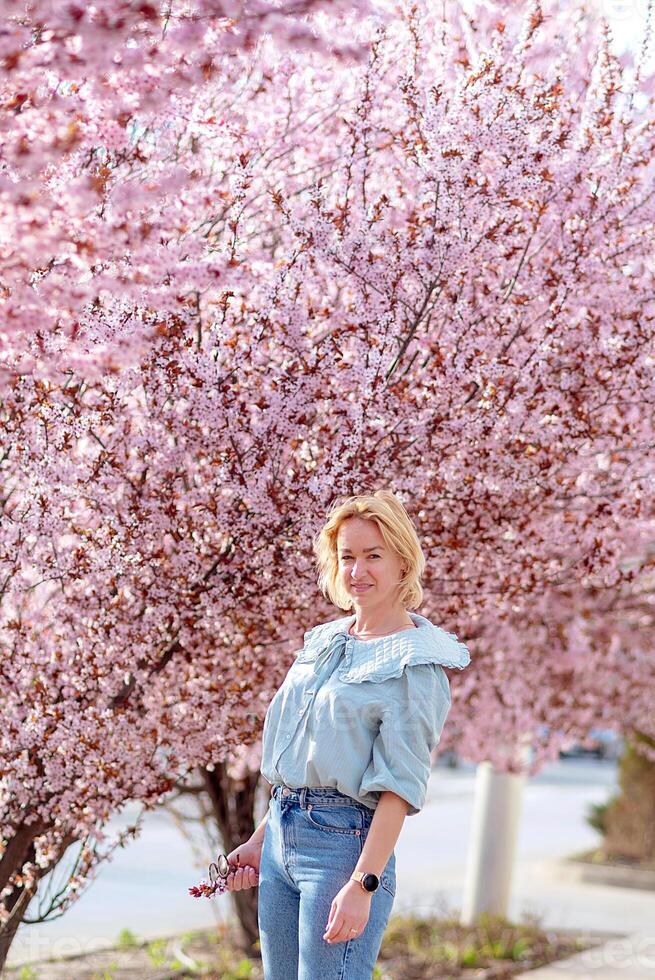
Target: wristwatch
point(367, 880)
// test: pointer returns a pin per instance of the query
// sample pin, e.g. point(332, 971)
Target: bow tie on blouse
point(335, 648)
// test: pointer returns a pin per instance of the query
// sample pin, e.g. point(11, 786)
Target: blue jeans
point(313, 840)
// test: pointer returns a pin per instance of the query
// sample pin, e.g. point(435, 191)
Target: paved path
point(629, 958)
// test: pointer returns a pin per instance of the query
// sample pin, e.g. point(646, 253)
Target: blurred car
point(600, 742)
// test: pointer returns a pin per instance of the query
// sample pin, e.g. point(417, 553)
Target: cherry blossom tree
point(84, 88)
point(431, 271)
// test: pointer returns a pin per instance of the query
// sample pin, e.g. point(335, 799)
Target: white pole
point(496, 811)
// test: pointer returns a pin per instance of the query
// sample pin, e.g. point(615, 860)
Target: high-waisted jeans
point(314, 838)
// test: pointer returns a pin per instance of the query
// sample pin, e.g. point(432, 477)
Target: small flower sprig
point(207, 890)
point(217, 874)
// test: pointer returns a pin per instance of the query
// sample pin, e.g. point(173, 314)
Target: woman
point(346, 746)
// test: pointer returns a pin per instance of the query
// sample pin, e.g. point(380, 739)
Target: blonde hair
point(398, 532)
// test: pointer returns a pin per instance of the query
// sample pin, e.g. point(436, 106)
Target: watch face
point(370, 882)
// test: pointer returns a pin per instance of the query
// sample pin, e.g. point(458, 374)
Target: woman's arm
point(351, 906)
point(257, 835)
point(383, 833)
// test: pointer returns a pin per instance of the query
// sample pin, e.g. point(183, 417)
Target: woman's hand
point(350, 910)
point(247, 856)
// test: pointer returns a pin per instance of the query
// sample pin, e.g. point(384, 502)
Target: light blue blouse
point(362, 715)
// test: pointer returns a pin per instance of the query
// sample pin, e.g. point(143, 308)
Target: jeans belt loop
point(303, 794)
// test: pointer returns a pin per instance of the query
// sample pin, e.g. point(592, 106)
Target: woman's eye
point(344, 558)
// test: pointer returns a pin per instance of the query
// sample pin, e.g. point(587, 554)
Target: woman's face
point(369, 572)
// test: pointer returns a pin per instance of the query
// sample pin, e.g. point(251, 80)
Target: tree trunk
point(17, 902)
point(234, 806)
point(19, 850)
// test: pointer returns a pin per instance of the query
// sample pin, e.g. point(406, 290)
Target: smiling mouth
point(361, 588)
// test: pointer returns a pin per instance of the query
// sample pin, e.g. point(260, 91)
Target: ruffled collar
point(383, 656)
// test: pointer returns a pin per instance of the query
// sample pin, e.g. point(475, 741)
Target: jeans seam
point(336, 830)
point(287, 843)
point(344, 963)
point(387, 888)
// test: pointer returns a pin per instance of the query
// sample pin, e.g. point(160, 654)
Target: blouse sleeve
point(410, 728)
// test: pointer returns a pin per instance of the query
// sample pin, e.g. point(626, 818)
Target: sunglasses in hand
point(217, 875)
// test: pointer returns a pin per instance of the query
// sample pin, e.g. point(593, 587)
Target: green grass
point(156, 951)
point(105, 974)
point(127, 939)
point(413, 946)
